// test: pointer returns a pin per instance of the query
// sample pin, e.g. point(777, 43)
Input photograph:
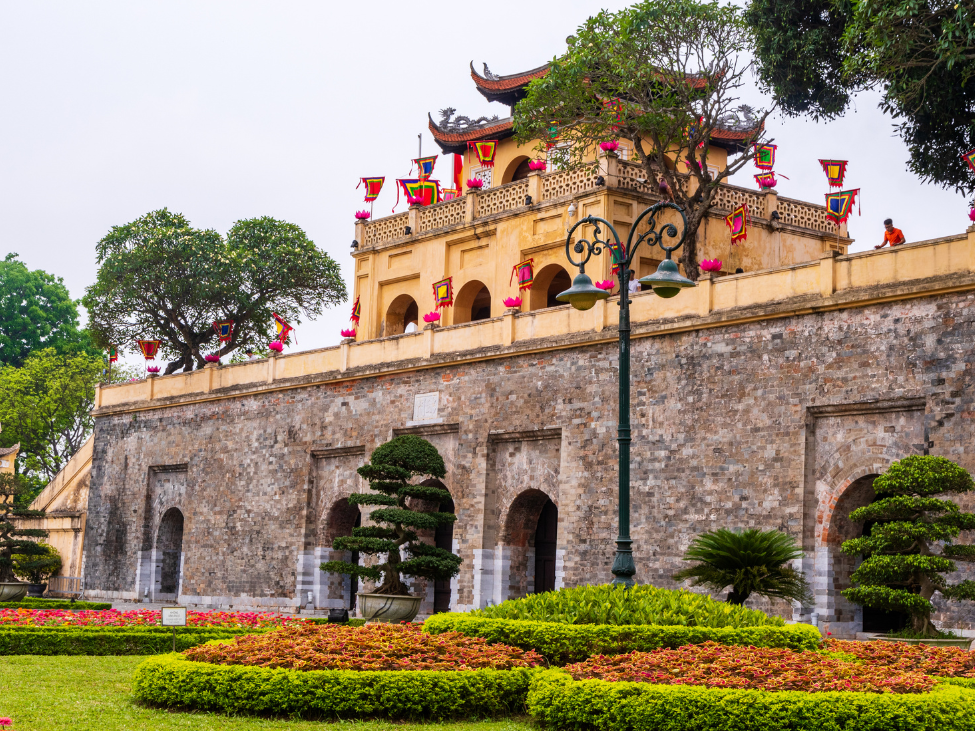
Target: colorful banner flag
point(618, 254)
point(525, 272)
point(448, 194)
point(373, 186)
point(427, 191)
point(224, 330)
point(839, 205)
point(969, 157)
point(112, 353)
point(835, 171)
point(737, 221)
point(485, 151)
point(356, 311)
point(458, 173)
point(424, 166)
point(765, 156)
point(443, 293)
point(149, 348)
point(282, 326)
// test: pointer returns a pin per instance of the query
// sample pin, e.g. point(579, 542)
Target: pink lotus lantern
point(537, 165)
point(475, 183)
point(711, 265)
point(609, 146)
point(212, 358)
point(347, 333)
point(971, 215)
point(414, 201)
point(276, 345)
point(362, 215)
point(431, 317)
point(606, 284)
point(153, 369)
point(512, 302)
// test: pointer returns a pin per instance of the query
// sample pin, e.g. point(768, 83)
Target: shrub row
point(108, 640)
point(562, 644)
point(562, 703)
point(174, 682)
point(54, 604)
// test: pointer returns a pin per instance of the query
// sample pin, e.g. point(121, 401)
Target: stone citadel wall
point(773, 423)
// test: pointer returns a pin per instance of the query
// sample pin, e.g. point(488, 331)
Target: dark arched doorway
point(402, 312)
point(546, 540)
point(518, 169)
point(473, 303)
point(169, 544)
point(550, 282)
point(443, 538)
point(879, 620)
point(341, 589)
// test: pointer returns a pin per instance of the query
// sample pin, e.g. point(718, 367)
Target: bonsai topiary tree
point(14, 540)
point(37, 568)
point(902, 567)
point(391, 468)
point(750, 562)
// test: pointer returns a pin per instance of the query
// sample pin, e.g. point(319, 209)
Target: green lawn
point(42, 693)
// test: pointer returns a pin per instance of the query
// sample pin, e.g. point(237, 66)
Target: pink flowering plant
point(138, 617)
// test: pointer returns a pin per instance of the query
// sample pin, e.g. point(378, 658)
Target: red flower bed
point(373, 647)
point(724, 666)
point(137, 617)
point(946, 662)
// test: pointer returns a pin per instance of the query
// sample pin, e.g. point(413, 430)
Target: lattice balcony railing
point(502, 198)
point(441, 215)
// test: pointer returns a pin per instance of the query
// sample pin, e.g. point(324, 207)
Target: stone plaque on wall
point(425, 407)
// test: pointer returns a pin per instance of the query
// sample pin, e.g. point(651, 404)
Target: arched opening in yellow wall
point(517, 170)
point(401, 313)
point(550, 281)
point(473, 303)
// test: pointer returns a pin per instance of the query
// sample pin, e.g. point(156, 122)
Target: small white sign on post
point(174, 617)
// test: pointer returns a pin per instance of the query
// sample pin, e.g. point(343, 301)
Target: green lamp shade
point(666, 281)
point(583, 293)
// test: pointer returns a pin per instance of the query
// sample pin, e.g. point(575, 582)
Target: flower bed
point(54, 604)
point(94, 640)
point(373, 647)
point(720, 666)
point(141, 617)
point(947, 662)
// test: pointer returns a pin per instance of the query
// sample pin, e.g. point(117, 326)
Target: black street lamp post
point(665, 282)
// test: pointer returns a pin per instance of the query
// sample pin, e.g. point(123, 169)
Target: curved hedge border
point(562, 644)
point(55, 604)
point(174, 682)
point(562, 703)
point(145, 640)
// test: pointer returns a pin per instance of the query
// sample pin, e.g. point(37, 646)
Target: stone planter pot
point(36, 590)
point(12, 591)
point(965, 642)
point(388, 608)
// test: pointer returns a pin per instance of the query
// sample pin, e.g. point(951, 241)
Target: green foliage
point(660, 73)
point(36, 603)
point(152, 640)
point(37, 567)
point(644, 604)
point(901, 570)
point(45, 405)
point(161, 278)
point(559, 702)
point(814, 54)
point(391, 467)
point(36, 312)
point(562, 644)
point(13, 539)
point(750, 562)
point(174, 682)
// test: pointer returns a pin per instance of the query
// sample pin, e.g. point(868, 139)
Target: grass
point(42, 693)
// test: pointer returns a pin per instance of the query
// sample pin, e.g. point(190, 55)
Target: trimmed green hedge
point(562, 703)
point(54, 604)
point(139, 640)
point(562, 644)
point(173, 682)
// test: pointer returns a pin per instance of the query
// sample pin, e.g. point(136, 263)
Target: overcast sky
point(230, 110)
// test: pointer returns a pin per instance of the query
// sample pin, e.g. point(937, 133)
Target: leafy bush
point(946, 662)
point(719, 666)
point(139, 618)
point(37, 567)
point(561, 644)
point(174, 682)
point(559, 702)
point(374, 647)
point(609, 604)
point(31, 603)
point(107, 640)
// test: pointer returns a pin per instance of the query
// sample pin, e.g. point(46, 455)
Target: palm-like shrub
point(750, 562)
point(902, 568)
point(392, 466)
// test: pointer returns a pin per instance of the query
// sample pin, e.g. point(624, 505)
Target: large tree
point(36, 312)
point(663, 74)
point(161, 278)
point(813, 55)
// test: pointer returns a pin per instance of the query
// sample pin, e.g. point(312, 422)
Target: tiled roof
point(495, 84)
point(457, 141)
point(6, 452)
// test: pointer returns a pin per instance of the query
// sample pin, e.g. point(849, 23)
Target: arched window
point(517, 169)
point(550, 282)
point(473, 303)
point(169, 544)
point(401, 313)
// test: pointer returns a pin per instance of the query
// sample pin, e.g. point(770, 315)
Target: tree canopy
point(36, 312)
point(813, 55)
point(15, 540)
point(663, 74)
point(161, 278)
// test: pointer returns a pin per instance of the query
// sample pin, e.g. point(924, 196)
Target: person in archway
point(892, 236)
point(633, 285)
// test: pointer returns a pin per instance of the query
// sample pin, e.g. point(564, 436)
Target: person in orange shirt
point(892, 236)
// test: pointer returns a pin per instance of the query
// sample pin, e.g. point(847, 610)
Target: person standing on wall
point(892, 236)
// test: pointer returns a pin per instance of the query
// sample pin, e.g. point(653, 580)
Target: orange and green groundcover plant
point(945, 662)
point(372, 647)
point(137, 618)
point(723, 666)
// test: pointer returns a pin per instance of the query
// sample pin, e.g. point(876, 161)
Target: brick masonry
point(776, 424)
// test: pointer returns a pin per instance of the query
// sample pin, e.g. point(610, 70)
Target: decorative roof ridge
point(462, 125)
point(450, 139)
point(489, 76)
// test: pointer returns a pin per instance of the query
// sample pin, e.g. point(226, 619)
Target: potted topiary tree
point(902, 566)
point(37, 568)
point(15, 540)
point(390, 471)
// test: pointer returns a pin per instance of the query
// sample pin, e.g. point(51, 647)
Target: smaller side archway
point(550, 282)
point(517, 169)
point(169, 550)
point(473, 303)
point(339, 589)
point(401, 313)
point(530, 537)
